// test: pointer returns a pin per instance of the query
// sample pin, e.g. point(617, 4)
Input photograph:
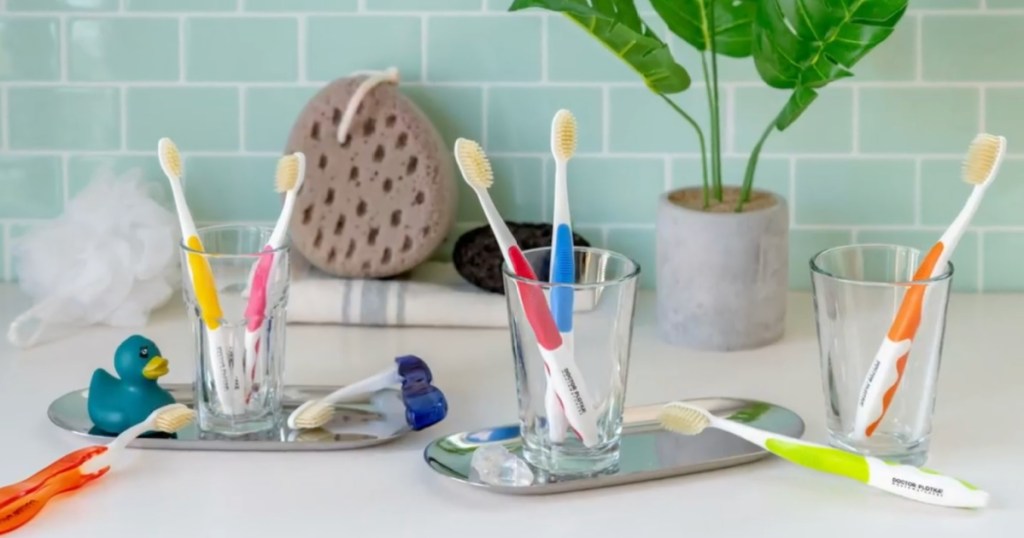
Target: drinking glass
point(858, 290)
point(599, 345)
point(238, 342)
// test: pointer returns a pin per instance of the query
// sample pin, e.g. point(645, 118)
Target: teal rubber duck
point(118, 404)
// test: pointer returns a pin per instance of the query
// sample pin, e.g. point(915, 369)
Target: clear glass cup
point(858, 290)
point(239, 343)
point(599, 346)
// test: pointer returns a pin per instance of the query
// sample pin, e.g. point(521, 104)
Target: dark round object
point(478, 258)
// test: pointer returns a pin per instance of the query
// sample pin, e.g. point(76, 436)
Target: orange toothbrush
point(886, 372)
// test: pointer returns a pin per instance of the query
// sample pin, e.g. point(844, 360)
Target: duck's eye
point(144, 352)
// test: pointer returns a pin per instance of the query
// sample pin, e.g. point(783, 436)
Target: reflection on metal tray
point(648, 452)
point(355, 425)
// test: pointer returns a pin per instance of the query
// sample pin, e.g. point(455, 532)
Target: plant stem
point(716, 124)
point(700, 139)
point(712, 105)
point(748, 177)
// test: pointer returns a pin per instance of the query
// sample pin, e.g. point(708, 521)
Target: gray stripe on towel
point(400, 303)
point(346, 299)
point(374, 307)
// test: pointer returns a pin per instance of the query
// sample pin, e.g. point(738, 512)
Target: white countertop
point(388, 490)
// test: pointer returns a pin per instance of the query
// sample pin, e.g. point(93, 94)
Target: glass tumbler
point(571, 385)
point(858, 291)
point(235, 294)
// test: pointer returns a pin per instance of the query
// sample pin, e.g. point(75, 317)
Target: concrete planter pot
point(722, 276)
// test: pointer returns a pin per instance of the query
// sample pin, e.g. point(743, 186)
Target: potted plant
point(722, 251)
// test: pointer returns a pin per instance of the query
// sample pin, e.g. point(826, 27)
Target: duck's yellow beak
point(155, 368)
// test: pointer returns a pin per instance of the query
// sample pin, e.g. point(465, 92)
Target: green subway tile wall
point(88, 86)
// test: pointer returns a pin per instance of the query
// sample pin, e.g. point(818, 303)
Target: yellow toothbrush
point(227, 385)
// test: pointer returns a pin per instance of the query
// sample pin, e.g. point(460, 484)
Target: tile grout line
point(424, 30)
point(301, 56)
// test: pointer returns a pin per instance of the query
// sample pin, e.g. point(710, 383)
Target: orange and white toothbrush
point(21, 502)
point(291, 171)
point(227, 382)
point(886, 372)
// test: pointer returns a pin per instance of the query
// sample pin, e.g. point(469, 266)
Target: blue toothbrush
point(563, 263)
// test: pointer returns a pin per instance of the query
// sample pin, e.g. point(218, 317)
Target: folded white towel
point(432, 295)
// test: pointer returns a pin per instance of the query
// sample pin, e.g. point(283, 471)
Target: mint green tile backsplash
point(88, 86)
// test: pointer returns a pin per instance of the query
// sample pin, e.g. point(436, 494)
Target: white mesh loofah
point(111, 258)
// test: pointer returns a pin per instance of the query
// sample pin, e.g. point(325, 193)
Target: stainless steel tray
point(355, 425)
point(648, 452)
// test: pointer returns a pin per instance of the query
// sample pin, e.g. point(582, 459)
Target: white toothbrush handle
point(883, 375)
point(557, 423)
point(903, 480)
point(573, 394)
point(925, 486)
point(375, 382)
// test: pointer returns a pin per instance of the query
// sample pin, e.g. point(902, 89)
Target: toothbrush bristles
point(170, 155)
point(287, 173)
point(174, 419)
point(315, 416)
point(563, 142)
point(982, 158)
point(473, 163)
point(681, 418)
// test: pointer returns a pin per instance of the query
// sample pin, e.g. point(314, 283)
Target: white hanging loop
point(374, 78)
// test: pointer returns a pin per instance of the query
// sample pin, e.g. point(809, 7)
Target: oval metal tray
point(648, 452)
point(355, 425)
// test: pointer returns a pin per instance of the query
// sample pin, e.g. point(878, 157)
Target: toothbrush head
point(983, 158)
point(473, 164)
point(425, 404)
point(684, 418)
point(291, 172)
point(170, 158)
point(311, 415)
point(563, 135)
point(171, 418)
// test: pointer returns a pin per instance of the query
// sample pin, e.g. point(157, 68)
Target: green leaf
point(798, 102)
point(810, 43)
point(617, 25)
point(734, 23)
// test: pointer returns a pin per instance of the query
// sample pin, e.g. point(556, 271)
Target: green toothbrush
point(919, 484)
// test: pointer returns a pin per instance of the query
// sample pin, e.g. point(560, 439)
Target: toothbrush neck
point(281, 227)
point(956, 230)
point(561, 201)
point(375, 382)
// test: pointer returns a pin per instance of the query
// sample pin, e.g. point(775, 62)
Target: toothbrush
point(569, 384)
point(563, 263)
point(923, 485)
point(226, 384)
point(21, 502)
point(291, 172)
point(886, 372)
point(425, 404)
